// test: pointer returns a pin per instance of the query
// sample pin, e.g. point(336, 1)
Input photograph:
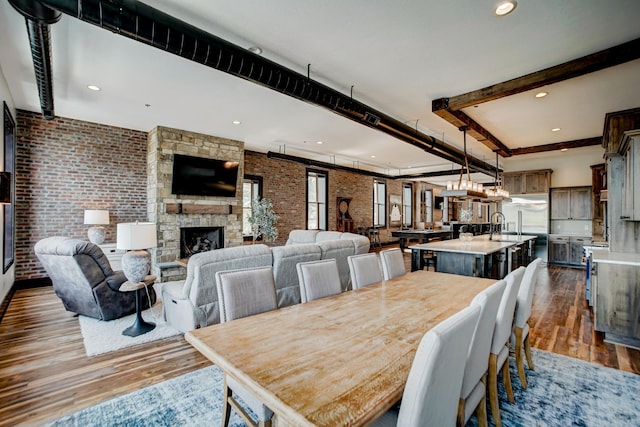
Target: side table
point(140, 326)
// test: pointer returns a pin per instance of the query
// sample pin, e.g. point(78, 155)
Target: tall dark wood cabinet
point(344, 222)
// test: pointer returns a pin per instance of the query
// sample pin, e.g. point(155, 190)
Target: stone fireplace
point(194, 240)
point(173, 212)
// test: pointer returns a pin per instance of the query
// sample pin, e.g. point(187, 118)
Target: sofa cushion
point(339, 250)
point(297, 237)
point(202, 268)
point(360, 242)
point(285, 259)
point(324, 236)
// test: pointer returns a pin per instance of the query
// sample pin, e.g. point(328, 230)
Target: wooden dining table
point(341, 360)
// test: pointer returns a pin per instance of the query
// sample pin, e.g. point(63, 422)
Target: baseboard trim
point(32, 283)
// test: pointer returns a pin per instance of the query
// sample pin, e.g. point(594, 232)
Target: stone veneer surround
point(163, 144)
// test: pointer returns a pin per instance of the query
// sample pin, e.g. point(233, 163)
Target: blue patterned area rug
point(562, 392)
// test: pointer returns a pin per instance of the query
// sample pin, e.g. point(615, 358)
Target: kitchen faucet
point(498, 214)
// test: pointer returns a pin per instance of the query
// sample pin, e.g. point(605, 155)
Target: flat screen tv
point(199, 176)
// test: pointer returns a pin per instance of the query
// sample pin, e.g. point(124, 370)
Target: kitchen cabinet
point(527, 182)
point(567, 250)
point(630, 149)
point(559, 249)
point(575, 249)
point(512, 182)
point(598, 184)
point(615, 281)
point(571, 203)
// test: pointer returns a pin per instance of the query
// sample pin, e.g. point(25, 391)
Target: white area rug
point(103, 337)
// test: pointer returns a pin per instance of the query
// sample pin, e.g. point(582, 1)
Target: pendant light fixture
point(498, 194)
point(464, 188)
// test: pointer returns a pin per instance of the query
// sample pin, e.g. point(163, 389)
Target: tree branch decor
point(263, 220)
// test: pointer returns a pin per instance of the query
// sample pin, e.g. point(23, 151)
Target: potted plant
point(263, 220)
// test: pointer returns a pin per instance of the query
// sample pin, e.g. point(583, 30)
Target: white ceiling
point(398, 56)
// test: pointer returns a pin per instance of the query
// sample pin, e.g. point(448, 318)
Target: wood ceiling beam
point(606, 58)
point(482, 135)
point(587, 142)
point(449, 108)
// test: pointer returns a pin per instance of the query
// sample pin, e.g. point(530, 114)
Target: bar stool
point(374, 237)
point(430, 257)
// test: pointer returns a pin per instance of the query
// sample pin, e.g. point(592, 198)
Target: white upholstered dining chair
point(499, 354)
point(432, 391)
point(318, 279)
point(474, 382)
point(392, 263)
point(520, 335)
point(243, 293)
point(364, 270)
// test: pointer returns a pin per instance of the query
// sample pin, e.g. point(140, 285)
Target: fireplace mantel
point(192, 208)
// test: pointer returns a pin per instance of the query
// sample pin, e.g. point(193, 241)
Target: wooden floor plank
point(44, 372)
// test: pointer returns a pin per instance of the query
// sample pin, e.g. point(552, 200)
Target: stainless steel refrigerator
point(529, 213)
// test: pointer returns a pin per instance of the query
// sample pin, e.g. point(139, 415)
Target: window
point(317, 183)
point(407, 205)
point(379, 203)
point(251, 190)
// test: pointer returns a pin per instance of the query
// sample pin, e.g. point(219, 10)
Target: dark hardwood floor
point(44, 372)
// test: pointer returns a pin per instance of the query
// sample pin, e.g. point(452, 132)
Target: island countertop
point(605, 256)
point(479, 246)
point(507, 238)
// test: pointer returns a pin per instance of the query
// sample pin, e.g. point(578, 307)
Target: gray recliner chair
point(83, 279)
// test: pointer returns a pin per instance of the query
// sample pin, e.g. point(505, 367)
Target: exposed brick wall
point(284, 183)
point(64, 166)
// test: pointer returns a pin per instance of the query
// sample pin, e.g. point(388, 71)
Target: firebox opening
point(194, 240)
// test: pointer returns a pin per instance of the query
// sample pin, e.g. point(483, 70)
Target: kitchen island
point(479, 257)
point(423, 235)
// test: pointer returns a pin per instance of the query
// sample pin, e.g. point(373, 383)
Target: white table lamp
point(136, 238)
point(97, 218)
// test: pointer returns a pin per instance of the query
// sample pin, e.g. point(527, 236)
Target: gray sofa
point(193, 302)
point(83, 279)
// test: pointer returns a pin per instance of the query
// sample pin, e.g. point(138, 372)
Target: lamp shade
point(95, 216)
point(136, 235)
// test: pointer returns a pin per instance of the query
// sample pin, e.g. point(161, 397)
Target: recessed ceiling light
point(541, 94)
point(255, 49)
point(505, 7)
point(564, 149)
point(236, 122)
point(93, 87)
point(555, 130)
point(319, 142)
point(373, 156)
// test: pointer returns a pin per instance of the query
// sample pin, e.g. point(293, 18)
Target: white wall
point(7, 279)
point(571, 168)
